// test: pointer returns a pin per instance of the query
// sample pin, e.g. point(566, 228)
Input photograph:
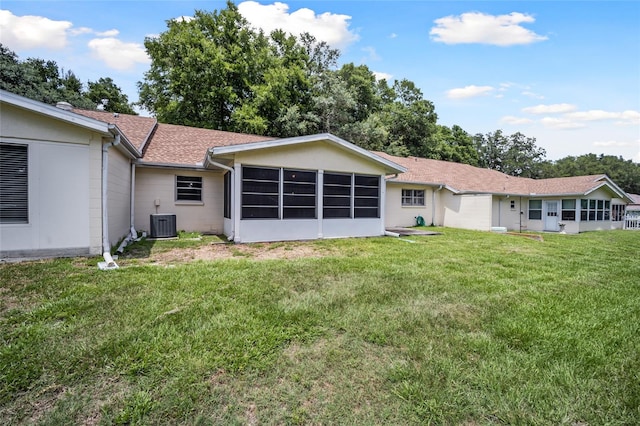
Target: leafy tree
point(44, 81)
point(106, 89)
point(455, 144)
point(625, 173)
point(515, 155)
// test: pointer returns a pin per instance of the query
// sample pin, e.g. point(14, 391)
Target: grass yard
point(464, 328)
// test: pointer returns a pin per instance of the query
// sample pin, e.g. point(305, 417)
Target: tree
point(515, 155)
point(44, 81)
point(624, 173)
point(105, 90)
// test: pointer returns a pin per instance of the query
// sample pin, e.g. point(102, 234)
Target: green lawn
point(466, 328)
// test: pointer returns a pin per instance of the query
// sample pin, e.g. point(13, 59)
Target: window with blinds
point(14, 183)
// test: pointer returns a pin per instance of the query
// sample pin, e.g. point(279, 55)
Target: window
point(188, 188)
point(617, 212)
point(568, 209)
point(595, 210)
point(14, 184)
point(336, 198)
point(366, 196)
point(227, 195)
point(535, 209)
point(260, 193)
point(299, 194)
point(413, 197)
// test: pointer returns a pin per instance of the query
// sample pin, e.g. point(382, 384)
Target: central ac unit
point(163, 226)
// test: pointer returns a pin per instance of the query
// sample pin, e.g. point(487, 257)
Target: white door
point(551, 218)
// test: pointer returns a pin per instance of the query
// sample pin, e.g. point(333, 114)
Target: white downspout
point(133, 234)
point(232, 192)
point(106, 247)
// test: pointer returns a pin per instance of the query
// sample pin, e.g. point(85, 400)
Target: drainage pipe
point(106, 247)
point(232, 194)
point(133, 234)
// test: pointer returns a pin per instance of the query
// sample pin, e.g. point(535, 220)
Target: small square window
point(188, 188)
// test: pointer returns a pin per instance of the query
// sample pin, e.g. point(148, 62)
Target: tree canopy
point(44, 81)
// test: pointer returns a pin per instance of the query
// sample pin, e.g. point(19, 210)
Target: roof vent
point(64, 105)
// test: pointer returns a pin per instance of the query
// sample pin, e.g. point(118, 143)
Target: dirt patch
point(216, 251)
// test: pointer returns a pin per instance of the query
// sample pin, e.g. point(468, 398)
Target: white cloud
point(108, 33)
point(476, 27)
point(560, 123)
point(28, 32)
point(382, 76)
point(624, 117)
point(469, 92)
point(393, 35)
point(611, 143)
point(118, 54)
point(372, 54)
point(328, 27)
point(532, 95)
point(550, 109)
point(510, 119)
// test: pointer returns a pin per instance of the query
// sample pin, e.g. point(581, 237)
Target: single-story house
point(78, 182)
point(463, 196)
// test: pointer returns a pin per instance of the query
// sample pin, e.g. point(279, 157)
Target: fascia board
point(393, 167)
point(54, 112)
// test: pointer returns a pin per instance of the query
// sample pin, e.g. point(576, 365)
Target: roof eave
point(232, 149)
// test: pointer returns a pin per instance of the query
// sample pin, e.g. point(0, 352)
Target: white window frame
point(413, 198)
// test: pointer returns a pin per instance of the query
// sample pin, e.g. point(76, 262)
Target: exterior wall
point(118, 195)
point(473, 211)
point(397, 215)
point(505, 216)
point(317, 156)
point(160, 184)
point(59, 207)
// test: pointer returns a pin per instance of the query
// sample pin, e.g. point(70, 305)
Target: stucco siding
point(503, 215)
point(310, 156)
point(468, 211)
point(59, 214)
point(398, 215)
point(160, 184)
point(118, 195)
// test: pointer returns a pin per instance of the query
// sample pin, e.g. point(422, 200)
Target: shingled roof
point(463, 178)
point(168, 143)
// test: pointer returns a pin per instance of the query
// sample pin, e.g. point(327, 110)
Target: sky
point(566, 73)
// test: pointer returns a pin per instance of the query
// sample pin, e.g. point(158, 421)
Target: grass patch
point(466, 328)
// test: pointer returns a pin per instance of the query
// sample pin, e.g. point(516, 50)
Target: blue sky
point(564, 72)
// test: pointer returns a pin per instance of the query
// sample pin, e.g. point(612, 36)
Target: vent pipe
point(64, 106)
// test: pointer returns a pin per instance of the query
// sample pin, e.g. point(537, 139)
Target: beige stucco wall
point(118, 195)
point(397, 215)
point(160, 184)
point(64, 172)
point(505, 216)
point(473, 211)
point(310, 156)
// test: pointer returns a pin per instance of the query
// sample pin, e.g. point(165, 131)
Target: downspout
point(520, 208)
point(133, 234)
point(433, 204)
point(232, 192)
point(106, 248)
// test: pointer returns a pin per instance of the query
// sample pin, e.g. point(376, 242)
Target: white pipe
point(133, 234)
point(232, 194)
point(106, 247)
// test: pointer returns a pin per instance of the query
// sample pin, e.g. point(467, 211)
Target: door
point(551, 218)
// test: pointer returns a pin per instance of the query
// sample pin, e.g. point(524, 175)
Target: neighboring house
point(76, 182)
point(632, 219)
point(462, 196)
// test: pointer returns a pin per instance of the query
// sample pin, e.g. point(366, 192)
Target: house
point(76, 182)
point(463, 196)
point(632, 217)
